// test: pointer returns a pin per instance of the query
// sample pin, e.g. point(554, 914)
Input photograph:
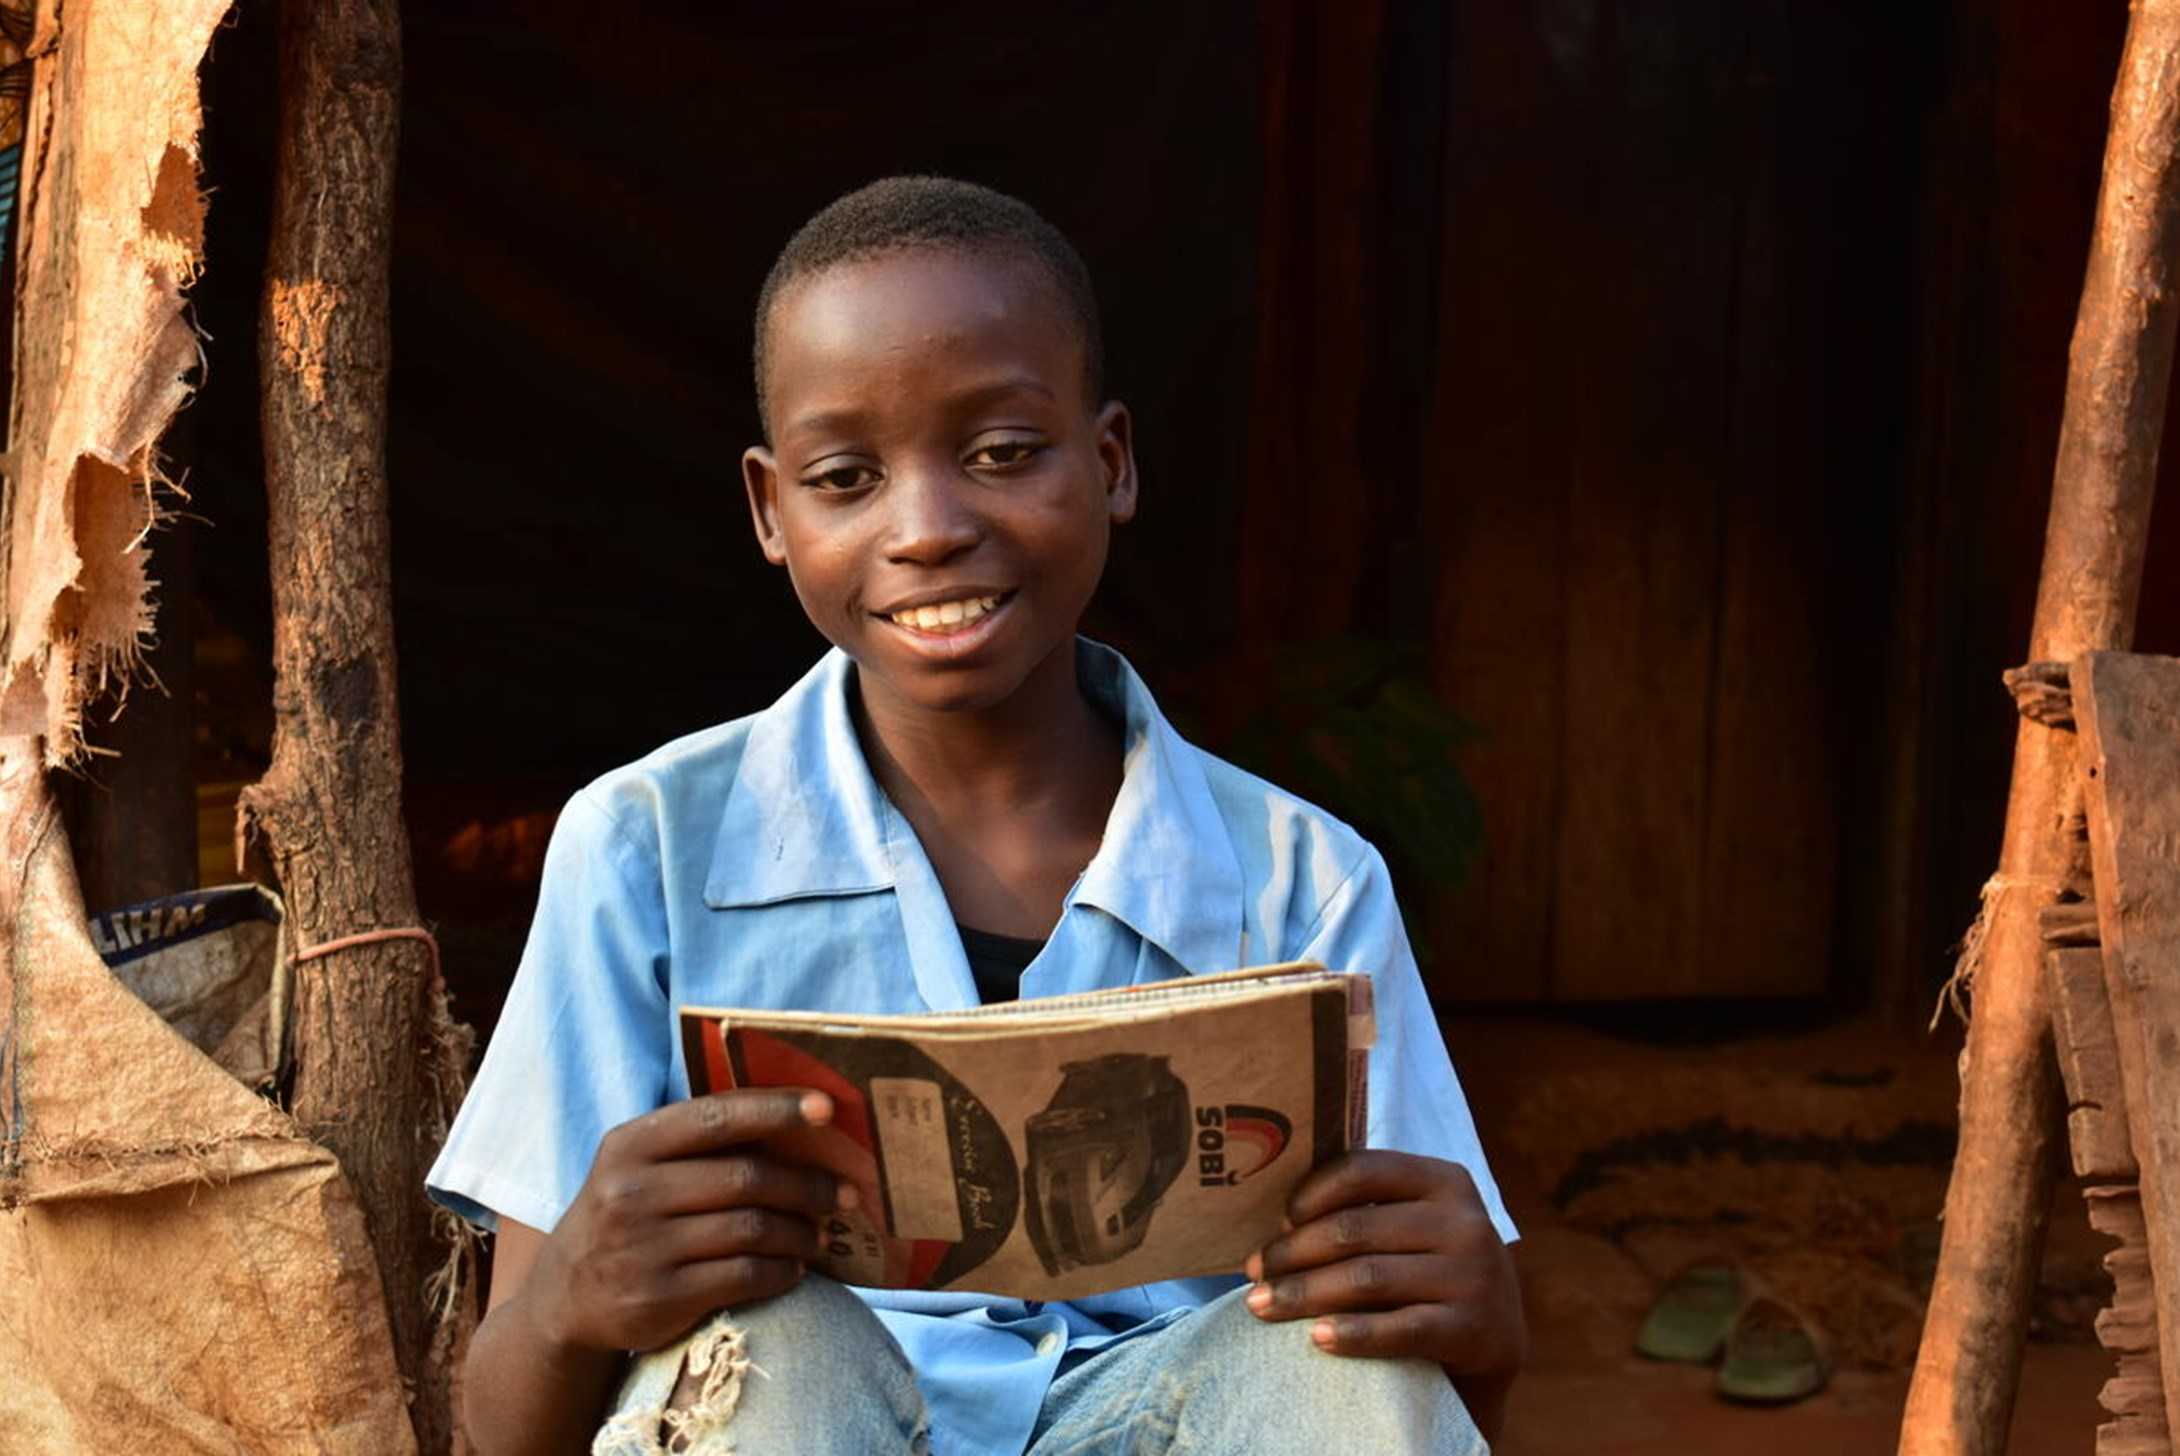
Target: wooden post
point(329, 808)
point(1962, 1396)
point(2088, 1044)
point(2129, 710)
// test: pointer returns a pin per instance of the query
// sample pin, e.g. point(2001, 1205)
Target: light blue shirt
point(759, 865)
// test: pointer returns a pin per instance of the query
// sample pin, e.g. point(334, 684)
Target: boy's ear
point(1116, 448)
point(761, 478)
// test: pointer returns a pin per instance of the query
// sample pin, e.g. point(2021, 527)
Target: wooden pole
point(2120, 368)
point(329, 808)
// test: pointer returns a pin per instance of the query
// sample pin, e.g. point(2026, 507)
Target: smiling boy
point(962, 802)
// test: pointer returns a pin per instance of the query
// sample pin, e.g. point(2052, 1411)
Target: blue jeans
point(812, 1372)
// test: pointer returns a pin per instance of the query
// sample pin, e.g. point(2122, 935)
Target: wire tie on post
point(376, 937)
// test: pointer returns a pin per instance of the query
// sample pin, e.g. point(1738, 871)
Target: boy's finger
point(742, 1232)
point(742, 1279)
point(1377, 1176)
point(726, 1119)
point(729, 1180)
point(1432, 1332)
point(1370, 1282)
point(1378, 1228)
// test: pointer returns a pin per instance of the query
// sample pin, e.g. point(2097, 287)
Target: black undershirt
point(997, 962)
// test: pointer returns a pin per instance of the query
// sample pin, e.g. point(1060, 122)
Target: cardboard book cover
point(1061, 1147)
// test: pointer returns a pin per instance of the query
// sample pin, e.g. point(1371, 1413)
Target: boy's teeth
point(946, 616)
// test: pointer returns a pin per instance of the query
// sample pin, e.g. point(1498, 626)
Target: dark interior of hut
point(1654, 402)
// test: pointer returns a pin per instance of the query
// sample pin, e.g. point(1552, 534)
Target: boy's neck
point(1029, 748)
point(1009, 802)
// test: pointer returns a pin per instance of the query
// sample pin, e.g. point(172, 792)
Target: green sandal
point(1772, 1355)
point(1691, 1317)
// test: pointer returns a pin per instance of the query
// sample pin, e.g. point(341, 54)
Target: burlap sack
point(180, 1269)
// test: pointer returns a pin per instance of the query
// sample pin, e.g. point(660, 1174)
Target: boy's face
point(940, 485)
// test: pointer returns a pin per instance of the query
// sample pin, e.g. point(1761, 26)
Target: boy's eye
point(1002, 454)
point(841, 478)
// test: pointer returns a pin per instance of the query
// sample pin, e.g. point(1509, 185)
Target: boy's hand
point(1393, 1255)
point(683, 1213)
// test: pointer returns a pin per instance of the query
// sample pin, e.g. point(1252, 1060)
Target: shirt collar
point(805, 817)
point(1167, 866)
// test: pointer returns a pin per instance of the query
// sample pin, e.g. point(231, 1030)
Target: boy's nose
point(933, 519)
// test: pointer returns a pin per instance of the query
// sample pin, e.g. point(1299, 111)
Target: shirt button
point(1050, 1344)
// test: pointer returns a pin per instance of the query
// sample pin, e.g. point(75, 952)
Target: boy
point(962, 801)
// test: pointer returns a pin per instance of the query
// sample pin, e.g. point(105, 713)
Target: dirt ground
point(1629, 1145)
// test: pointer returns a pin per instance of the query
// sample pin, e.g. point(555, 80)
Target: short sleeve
point(1416, 1102)
point(584, 1042)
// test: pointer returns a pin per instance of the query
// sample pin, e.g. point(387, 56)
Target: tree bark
point(1962, 1396)
point(328, 811)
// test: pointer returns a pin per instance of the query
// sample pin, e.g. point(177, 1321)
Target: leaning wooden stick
point(1962, 1397)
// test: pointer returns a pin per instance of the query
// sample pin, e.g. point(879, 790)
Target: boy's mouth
point(945, 618)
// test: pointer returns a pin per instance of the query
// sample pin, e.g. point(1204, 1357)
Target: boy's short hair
point(944, 215)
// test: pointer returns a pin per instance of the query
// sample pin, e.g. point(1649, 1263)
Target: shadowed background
point(1666, 393)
